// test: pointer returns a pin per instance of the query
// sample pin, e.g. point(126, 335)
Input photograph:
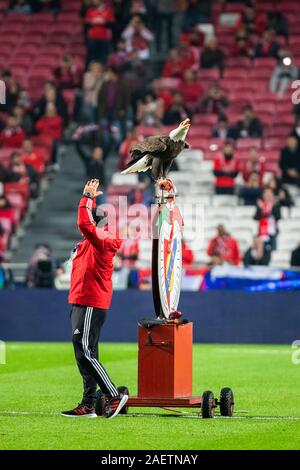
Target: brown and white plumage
point(158, 152)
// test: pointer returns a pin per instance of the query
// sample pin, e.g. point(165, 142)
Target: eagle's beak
point(186, 123)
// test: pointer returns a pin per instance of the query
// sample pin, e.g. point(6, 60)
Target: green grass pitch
point(40, 379)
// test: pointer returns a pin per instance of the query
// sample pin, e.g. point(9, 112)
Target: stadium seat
point(273, 143)
point(271, 155)
point(248, 143)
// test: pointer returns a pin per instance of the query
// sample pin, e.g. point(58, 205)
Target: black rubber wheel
point(123, 389)
point(208, 405)
point(100, 403)
point(226, 402)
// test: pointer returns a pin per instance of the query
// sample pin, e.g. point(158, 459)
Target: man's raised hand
point(92, 188)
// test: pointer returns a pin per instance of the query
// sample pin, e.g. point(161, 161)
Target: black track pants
point(86, 326)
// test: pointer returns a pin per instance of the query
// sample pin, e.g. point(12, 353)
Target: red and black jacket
point(91, 277)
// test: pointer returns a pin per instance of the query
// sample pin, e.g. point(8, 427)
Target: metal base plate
point(182, 402)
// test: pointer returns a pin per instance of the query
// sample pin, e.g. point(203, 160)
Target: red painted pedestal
point(165, 366)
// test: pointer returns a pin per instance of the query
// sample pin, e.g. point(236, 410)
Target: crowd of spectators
point(117, 89)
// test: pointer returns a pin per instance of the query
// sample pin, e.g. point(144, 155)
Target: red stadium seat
point(249, 143)
point(266, 117)
point(274, 143)
point(212, 155)
point(280, 130)
point(264, 62)
point(198, 143)
point(264, 107)
point(209, 74)
point(169, 83)
point(235, 74)
point(202, 131)
point(238, 62)
point(241, 97)
point(271, 155)
point(199, 119)
point(273, 167)
point(42, 141)
point(146, 131)
point(20, 188)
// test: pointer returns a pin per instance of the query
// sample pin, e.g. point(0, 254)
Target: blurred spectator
point(224, 247)
point(12, 91)
point(118, 59)
point(3, 174)
point(223, 130)
point(86, 104)
point(99, 19)
point(242, 46)
point(187, 255)
point(280, 191)
point(251, 190)
point(283, 74)
point(165, 10)
point(278, 22)
point(12, 135)
point(94, 162)
point(267, 45)
point(249, 125)
point(4, 203)
point(68, 74)
point(20, 6)
point(30, 157)
point(41, 268)
point(296, 130)
point(254, 163)
point(20, 172)
point(51, 95)
point(162, 93)
point(130, 249)
point(50, 124)
point(214, 100)
point(138, 37)
point(143, 193)
point(258, 254)
point(191, 89)
point(113, 102)
point(193, 36)
point(188, 56)
point(195, 12)
point(295, 257)
point(225, 171)
point(176, 112)
point(24, 119)
point(212, 56)
point(290, 162)
point(124, 150)
point(215, 260)
point(173, 66)
point(150, 110)
point(268, 214)
point(255, 23)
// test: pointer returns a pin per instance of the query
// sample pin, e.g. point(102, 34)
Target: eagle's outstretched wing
point(153, 144)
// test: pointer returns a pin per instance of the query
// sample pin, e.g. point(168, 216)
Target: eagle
point(158, 152)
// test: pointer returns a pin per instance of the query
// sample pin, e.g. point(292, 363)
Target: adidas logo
point(76, 332)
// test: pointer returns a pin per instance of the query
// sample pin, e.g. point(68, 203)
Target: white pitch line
point(183, 415)
point(41, 413)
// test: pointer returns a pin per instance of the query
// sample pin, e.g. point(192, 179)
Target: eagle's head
point(180, 133)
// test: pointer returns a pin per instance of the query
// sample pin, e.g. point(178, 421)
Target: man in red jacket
point(90, 296)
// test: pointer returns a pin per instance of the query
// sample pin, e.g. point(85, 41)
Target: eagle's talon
point(165, 184)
